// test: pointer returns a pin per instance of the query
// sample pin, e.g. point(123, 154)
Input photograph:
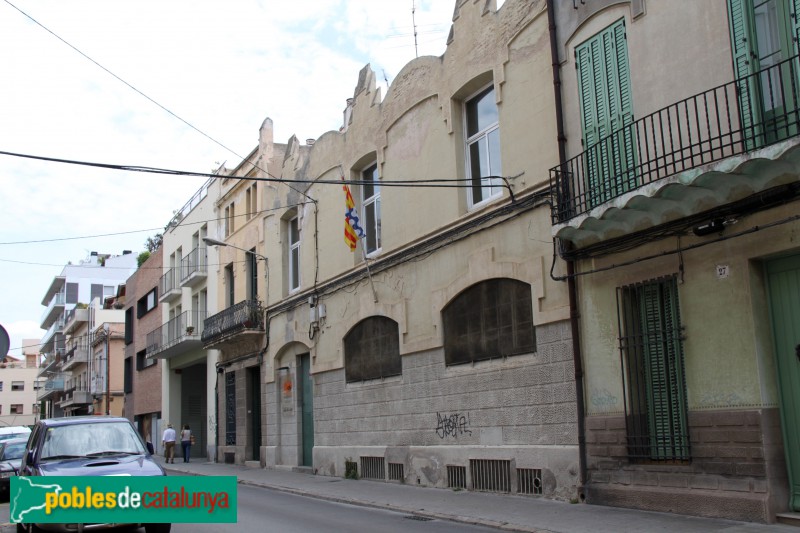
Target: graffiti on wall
point(603, 399)
point(452, 425)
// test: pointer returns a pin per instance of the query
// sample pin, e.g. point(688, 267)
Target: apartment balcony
point(194, 268)
point(76, 398)
point(724, 151)
point(52, 388)
point(74, 318)
point(178, 336)
point(52, 335)
point(169, 289)
point(240, 326)
point(55, 309)
point(75, 356)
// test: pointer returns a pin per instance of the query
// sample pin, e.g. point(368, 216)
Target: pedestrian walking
point(186, 442)
point(168, 440)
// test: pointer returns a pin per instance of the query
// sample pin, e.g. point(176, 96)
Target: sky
point(174, 84)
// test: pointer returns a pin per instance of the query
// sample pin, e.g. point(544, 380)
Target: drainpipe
point(108, 371)
point(573, 297)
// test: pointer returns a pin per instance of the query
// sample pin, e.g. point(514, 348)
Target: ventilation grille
point(491, 475)
point(529, 480)
point(396, 472)
point(456, 477)
point(350, 469)
point(373, 468)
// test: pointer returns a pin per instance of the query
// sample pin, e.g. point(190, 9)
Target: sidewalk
point(509, 512)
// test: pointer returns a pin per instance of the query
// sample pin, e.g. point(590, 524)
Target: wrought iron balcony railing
point(246, 315)
point(731, 119)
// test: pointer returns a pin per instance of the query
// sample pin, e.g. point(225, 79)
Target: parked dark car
point(87, 446)
point(11, 452)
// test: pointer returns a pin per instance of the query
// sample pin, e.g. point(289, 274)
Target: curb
point(504, 526)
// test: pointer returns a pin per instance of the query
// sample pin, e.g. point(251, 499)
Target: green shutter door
point(784, 294)
point(606, 108)
point(745, 63)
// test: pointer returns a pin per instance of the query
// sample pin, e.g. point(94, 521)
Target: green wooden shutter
point(745, 64)
point(795, 7)
point(606, 108)
point(664, 371)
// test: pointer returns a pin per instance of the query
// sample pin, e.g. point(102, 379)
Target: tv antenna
point(414, 23)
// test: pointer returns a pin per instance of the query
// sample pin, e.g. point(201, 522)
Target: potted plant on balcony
point(189, 330)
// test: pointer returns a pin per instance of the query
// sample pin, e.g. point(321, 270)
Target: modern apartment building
point(188, 369)
point(96, 277)
point(142, 374)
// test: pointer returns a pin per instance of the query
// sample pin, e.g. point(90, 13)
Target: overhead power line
point(450, 182)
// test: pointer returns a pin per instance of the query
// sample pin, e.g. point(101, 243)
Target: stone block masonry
point(520, 409)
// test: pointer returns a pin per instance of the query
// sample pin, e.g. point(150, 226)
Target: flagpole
point(369, 274)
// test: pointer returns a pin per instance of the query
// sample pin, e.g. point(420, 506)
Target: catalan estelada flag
point(352, 229)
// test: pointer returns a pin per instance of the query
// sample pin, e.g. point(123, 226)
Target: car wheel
point(28, 528)
point(157, 528)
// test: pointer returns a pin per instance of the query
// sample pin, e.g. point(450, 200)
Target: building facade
point(18, 386)
point(438, 350)
point(188, 370)
point(142, 374)
point(675, 203)
point(75, 287)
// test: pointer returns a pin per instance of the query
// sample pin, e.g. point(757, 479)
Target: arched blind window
point(372, 350)
point(489, 320)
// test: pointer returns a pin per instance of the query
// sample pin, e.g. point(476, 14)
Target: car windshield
point(12, 451)
point(9, 436)
point(97, 438)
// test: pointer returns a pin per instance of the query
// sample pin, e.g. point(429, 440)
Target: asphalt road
point(263, 510)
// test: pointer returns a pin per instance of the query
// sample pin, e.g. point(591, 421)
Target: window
point(230, 213)
point(129, 326)
point(230, 408)
point(17, 385)
point(142, 361)
point(252, 275)
point(229, 294)
point(1, 386)
point(128, 375)
point(651, 343)
point(250, 201)
point(16, 409)
point(606, 108)
point(371, 205)
point(146, 303)
point(96, 291)
point(483, 147)
point(489, 320)
point(762, 38)
point(294, 253)
point(72, 293)
point(372, 350)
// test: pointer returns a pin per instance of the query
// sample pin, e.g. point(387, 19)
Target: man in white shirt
point(168, 440)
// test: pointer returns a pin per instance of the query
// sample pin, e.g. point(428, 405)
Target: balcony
point(169, 289)
point(180, 335)
point(52, 387)
point(716, 148)
point(75, 317)
point(194, 268)
point(242, 323)
point(52, 334)
point(55, 308)
point(76, 354)
point(76, 399)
